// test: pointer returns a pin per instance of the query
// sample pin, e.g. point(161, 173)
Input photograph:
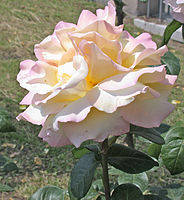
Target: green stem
point(104, 148)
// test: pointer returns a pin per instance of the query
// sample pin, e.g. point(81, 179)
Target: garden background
point(23, 24)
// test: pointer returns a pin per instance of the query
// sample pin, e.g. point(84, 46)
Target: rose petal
point(103, 28)
point(64, 25)
point(25, 67)
point(111, 48)
point(80, 74)
point(143, 39)
point(49, 50)
point(76, 112)
point(147, 112)
point(144, 57)
point(40, 78)
point(129, 79)
point(96, 126)
point(32, 114)
point(54, 138)
point(62, 35)
point(27, 100)
point(108, 14)
point(86, 17)
point(151, 58)
point(111, 100)
point(100, 65)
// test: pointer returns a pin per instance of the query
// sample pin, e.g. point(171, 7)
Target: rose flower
point(92, 80)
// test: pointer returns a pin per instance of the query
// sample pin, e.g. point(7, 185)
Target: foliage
point(48, 192)
point(170, 29)
point(172, 63)
point(173, 150)
point(82, 175)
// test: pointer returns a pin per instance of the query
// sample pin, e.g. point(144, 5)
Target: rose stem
point(104, 148)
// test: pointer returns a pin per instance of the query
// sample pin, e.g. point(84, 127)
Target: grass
point(23, 24)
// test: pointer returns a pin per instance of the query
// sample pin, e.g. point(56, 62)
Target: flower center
point(63, 78)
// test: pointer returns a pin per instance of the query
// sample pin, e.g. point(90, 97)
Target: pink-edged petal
point(147, 112)
point(145, 39)
point(86, 17)
point(62, 35)
point(96, 126)
point(25, 67)
point(105, 29)
point(27, 100)
point(39, 98)
point(53, 138)
point(49, 50)
point(169, 79)
point(64, 25)
point(165, 86)
point(32, 114)
point(111, 48)
point(40, 79)
point(68, 56)
point(142, 41)
point(75, 112)
point(125, 80)
point(100, 65)
point(37, 114)
point(109, 101)
point(150, 57)
point(108, 14)
point(125, 38)
point(61, 95)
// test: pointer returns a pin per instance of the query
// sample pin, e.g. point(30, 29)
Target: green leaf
point(129, 160)
point(2, 160)
point(162, 128)
point(172, 63)
point(152, 197)
point(5, 121)
point(49, 193)
point(154, 150)
point(92, 147)
point(79, 152)
point(176, 192)
point(82, 175)
point(170, 29)
point(70, 192)
point(161, 192)
point(95, 149)
point(5, 188)
point(9, 167)
point(173, 150)
point(150, 134)
point(127, 192)
point(140, 180)
point(183, 32)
